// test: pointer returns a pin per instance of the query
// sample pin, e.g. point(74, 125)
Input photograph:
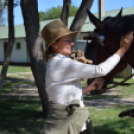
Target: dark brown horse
point(112, 28)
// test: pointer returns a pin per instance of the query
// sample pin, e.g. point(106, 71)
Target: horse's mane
point(118, 26)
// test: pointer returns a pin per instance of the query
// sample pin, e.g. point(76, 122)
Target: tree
point(10, 43)
point(10, 5)
point(41, 16)
point(55, 12)
point(80, 17)
point(35, 49)
point(65, 11)
point(73, 10)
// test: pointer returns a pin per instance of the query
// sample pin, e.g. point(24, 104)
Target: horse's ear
point(120, 13)
point(93, 19)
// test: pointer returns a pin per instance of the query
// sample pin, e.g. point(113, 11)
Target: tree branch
point(80, 17)
point(65, 11)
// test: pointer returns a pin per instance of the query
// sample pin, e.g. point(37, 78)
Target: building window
point(18, 46)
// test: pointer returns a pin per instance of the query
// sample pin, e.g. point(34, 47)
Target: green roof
point(20, 30)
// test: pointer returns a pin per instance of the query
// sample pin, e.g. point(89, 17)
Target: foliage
point(55, 13)
point(2, 9)
point(41, 16)
point(73, 10)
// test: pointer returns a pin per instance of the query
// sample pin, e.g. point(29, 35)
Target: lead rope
point(100, 91)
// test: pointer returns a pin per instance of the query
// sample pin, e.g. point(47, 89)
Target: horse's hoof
point(122, 114)
point(129, 113)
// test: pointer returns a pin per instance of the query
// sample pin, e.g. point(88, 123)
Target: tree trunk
point(65, 11)
point(10, 43)
point(80, 17)
point(35, 49)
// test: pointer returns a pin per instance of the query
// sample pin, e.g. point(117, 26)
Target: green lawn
point(106, 121)
point(19, 114)
point(13, 82)
point(17, 69)
point(21, 117)
point(24, 116)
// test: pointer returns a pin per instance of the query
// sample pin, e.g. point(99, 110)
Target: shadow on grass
point(115, 127)
point(19, 117)
point(107, 121)
point(91, 97)
point(20, 113)
point(16, 79)
point(13, 82)
point(106, 102)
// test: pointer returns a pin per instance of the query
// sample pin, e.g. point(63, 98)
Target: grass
point(17, 69)
point(19, 117)
point(106, 121)
point(126, 91)
point(13, 82)
point(23, 115)
point(19, 114)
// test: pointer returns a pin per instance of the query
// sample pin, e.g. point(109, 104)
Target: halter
point(101, 39)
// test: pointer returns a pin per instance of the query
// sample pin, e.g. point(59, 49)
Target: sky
point(44, 5)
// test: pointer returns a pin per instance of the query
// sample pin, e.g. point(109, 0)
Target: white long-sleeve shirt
point(63, 77)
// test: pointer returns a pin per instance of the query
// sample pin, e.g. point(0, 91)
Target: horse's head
point(113, 29)
point(93, 49)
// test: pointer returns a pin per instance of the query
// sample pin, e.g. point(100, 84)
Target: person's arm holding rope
point(98, 81)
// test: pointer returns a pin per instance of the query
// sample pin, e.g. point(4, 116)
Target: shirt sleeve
point(92, 71)
point(67, 70)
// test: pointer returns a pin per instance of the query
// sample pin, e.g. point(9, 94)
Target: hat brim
point(69, 33)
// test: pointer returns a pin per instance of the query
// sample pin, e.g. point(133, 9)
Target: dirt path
point(21, 73)
point(109, 102)
point(109, 99)
point(24, 91)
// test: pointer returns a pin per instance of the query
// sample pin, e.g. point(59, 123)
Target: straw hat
point(53, 31)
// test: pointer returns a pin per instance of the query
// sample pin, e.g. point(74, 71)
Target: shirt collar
point(59, 55)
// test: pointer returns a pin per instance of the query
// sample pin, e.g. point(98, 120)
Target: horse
point(112, 29)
